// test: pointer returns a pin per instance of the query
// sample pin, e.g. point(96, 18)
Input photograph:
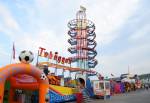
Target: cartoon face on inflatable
point(26, 57)
point(43, 76)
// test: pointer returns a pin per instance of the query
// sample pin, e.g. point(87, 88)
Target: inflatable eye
point(43, 76)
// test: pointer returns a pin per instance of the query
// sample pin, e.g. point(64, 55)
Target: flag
point(112, 75)
point(13, 51)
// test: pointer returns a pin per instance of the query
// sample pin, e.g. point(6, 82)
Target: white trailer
point(101, 88)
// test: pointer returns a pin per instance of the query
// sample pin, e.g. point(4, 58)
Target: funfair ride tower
point(82, 41)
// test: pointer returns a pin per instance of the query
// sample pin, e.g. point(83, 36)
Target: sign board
point(54, 56)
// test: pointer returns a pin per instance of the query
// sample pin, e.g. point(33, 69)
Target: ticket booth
point(101, 89)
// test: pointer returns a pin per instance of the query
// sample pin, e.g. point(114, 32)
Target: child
point(83, 90)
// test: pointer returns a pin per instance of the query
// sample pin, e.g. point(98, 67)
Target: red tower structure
point(82, 40)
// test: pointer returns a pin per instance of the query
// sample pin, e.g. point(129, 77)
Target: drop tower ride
point(82, 41)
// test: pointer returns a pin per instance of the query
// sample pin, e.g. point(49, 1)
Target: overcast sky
point(122, 28)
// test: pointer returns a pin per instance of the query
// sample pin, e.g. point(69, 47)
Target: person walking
point(85, 95)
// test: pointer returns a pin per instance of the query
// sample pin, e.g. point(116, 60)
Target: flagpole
point(37, 61)
point(128, 70)
point(10, 58)
point(13, 53)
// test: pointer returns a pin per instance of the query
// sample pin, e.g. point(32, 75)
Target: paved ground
point(140, 96)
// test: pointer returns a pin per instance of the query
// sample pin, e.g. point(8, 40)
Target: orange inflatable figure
point(10, 71)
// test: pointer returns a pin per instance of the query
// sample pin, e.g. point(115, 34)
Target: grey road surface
point(140, 96)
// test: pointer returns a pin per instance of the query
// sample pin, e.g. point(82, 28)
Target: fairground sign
point(54, 56)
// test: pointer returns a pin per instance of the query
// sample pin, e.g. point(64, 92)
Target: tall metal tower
point(82, 40)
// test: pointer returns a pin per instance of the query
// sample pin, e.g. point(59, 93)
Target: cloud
point(109, 16)
point(5, 56)
point(142, 32)
point(8, 24)
point(36, 31)
point(43, 4)
point(137, 58)
point(43, 38)
point(2, 51)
